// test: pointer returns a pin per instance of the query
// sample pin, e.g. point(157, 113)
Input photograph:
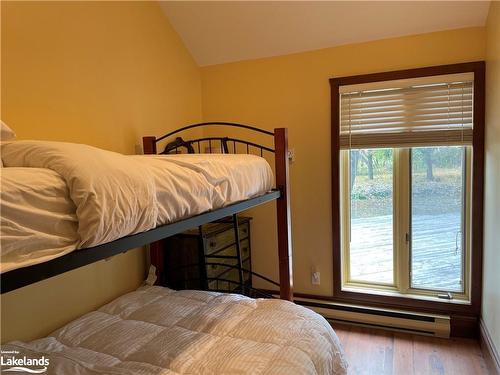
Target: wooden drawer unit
point(230, 250)
point(216, 266)
point(207, 258)
point(224, 239)
point(228, 280)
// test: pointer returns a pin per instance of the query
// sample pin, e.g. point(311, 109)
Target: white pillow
point(6, 133)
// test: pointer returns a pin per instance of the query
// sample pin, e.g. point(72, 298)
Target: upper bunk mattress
point(156, 330)
point(57, 197)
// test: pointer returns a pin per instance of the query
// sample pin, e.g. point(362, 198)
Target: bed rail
point(280, 151)
point(20, 277)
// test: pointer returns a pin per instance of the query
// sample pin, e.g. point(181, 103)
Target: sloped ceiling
point(224, 31)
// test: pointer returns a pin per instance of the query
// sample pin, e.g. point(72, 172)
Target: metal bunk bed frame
point(21, 277)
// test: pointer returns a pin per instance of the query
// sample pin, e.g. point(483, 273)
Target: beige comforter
point(104, 195)
point(157, 331)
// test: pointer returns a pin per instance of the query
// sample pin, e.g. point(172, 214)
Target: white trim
point(440, 327)
point(489, 347)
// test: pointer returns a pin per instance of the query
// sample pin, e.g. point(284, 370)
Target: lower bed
point(156, 330)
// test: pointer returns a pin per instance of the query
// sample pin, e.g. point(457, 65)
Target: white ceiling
point(224, 31)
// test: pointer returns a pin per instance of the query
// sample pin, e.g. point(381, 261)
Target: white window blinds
point(407, 113)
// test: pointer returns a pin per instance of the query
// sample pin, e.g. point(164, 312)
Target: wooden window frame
point(464, 317)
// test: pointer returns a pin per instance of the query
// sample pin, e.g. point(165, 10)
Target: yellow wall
point(293, 91)
point(36, 310)
point(99, 73)
point(108, 73)
point(491, 274)
point(102, 73)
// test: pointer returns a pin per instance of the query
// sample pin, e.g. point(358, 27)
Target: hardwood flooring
point(372, 352)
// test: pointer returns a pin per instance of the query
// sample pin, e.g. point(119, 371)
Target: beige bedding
point(157, 331)
point(38, 218)
point(111, 195)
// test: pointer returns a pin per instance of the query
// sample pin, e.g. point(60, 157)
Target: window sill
point(410, 296)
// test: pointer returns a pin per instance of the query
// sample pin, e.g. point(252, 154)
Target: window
point(439, 201)
point(369, 225)
point(405, 219)
point(406, 159)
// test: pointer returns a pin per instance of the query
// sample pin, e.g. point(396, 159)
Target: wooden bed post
point(149, 145)
point(283, 213)
point(156, 255)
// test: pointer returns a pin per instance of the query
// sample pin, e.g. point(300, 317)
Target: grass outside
point(442, 195)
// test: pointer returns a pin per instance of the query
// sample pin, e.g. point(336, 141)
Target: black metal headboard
point(225, 145)
point(281, 168)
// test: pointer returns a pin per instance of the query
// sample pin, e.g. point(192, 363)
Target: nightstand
point(207, 259)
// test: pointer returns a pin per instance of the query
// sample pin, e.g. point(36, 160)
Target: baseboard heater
point(396, 320)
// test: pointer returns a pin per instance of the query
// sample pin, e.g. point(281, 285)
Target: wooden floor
point(372, 351)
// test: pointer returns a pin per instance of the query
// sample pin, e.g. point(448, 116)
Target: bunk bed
point(156, 330)
point(23, 276)
point(280, 193)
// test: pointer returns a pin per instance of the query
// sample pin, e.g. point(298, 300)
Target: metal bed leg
point(238, 252)
point(202, 269)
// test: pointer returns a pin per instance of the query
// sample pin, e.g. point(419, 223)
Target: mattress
point(156, 330)
point(38, 218)
point(58, 197)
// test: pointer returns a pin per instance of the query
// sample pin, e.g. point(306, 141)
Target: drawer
point(233, 275)
point(214, 270)
point(222, 284)
point(223, 239)
point(231, 250)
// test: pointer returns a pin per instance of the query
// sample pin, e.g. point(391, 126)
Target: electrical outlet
point(315, 278)
point(291, 155)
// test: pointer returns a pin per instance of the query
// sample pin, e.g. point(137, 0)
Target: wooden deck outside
point(436, 251)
